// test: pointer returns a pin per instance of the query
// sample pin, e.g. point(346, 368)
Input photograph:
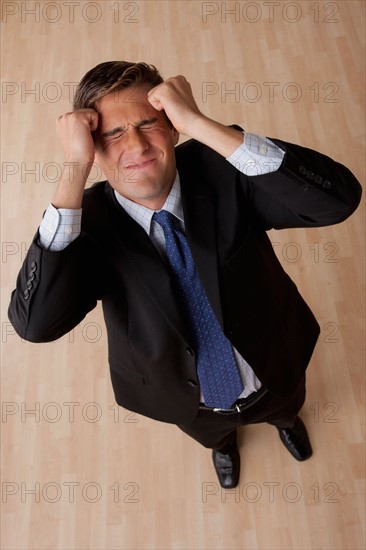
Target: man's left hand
point(175, 97)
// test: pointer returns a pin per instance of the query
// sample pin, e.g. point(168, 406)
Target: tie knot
point(165, 219)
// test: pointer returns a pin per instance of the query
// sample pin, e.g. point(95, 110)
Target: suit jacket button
point(26, 294)
point(302, 170)
point(192, 383)
point(29, 285)
point(189, 351)
point(33, 267)
point(327, 184)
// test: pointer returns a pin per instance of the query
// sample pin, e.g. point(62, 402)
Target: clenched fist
point(175, 97)
point(75, 133)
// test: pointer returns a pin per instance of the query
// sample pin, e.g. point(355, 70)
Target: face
point(135, 146)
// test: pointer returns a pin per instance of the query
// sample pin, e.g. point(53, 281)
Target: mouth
point(133, 166)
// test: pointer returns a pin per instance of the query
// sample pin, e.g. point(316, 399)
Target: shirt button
point(250, 162)
point(263, 150)
point(68, 229)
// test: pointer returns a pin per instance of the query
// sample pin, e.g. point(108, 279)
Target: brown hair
point(112, 76)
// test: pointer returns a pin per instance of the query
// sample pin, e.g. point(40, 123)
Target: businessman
point(205, 329)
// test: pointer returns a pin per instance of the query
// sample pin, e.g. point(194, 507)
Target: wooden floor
point(77, 471)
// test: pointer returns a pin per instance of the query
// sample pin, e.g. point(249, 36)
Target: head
point(134, 143)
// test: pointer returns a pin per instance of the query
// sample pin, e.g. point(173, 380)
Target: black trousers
point(217, 431)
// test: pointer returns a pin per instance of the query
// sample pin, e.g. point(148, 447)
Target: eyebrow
point(120, 129)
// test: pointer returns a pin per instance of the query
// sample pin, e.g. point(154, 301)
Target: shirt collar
point(143, 215)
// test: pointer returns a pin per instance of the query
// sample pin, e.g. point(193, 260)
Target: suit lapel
point(146, 262)
point(200, 226)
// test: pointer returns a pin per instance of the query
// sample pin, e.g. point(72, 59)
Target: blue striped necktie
point(217, 369)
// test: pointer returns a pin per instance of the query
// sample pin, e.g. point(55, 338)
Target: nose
point(135, 141)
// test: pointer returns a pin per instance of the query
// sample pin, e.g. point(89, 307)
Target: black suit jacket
point(151, 357)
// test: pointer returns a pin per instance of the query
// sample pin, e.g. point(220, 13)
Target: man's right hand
point(75, 133)
point(74, 130)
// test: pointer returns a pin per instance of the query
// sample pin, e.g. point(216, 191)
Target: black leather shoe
point(296, 440)
point(227, 466)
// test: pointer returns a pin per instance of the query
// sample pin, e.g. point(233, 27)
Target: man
point(205, 329)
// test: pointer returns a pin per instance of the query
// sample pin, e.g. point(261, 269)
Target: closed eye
point(147, 125)
point(118, 133)
point(114, 137)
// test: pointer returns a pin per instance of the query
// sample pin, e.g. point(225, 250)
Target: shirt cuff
point(257, 155)
point(59, 227)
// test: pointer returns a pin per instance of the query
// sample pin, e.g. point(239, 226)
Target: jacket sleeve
point(55, 290)
point(308, 190)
